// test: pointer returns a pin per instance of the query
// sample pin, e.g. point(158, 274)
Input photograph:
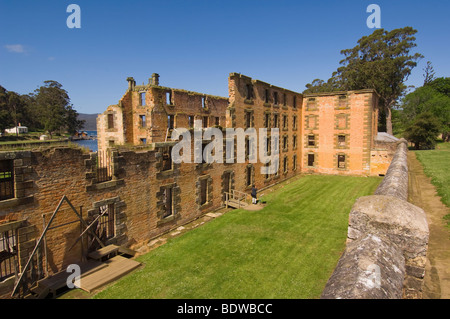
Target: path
point(423, 194)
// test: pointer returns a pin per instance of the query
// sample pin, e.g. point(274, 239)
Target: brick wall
point(330, 117)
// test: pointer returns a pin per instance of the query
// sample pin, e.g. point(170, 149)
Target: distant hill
point(91, 121)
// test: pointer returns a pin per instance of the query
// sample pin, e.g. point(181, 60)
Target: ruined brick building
point(140, 193)
point(331, 133)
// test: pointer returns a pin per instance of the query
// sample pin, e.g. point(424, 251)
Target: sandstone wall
point(135, 191)
point(387, 242)
point(341, 125)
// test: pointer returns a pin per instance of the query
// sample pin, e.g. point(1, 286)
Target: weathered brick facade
point(147, 194)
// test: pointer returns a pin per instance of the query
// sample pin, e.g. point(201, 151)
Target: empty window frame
point(311, 140)
point(170, 122)
point(142, 121)
point(142, 99)
point(249, 176)
point(341, 141)
point(342, 101)
point(266, 95)
point(294, 122)
point(227, 182)
point(275, 120)
point(103, 167)
point(167, 158)
point(105, 228)
point(110, 121)
point(6, 179)
point(275, 98)
point(8, 254)
point(203, 191)
point(311, 159)
point(168, 202)
point(203, 102)
point(217, 121)
point(249, 148)
point(285, 164)
point(143, 141)
point(285, 122)
point(191, 121)
point(294, 162)
point(294, 141)
point(341, 161)
point(284, 99)
point(311, 104)
point(204, 144)
point(267, 120)
point(267, 165)
point(248, 119)
point(205, 121)
point(285, 142)
point(294, 101)
point(169, 100)
point(249, 91)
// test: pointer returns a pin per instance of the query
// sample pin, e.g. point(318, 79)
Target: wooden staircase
point(102, 267)
point(236, 199)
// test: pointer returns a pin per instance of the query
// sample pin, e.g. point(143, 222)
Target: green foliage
point(382, 61)
point(423, 131)
point(12, 109)
point(320, 86)
point(398, 126)
point(47, 108)
point(433, 98)
point(429, 74)
point(435, 165)
point(442, 85)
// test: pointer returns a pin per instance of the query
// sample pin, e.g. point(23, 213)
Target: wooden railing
point(236, 199)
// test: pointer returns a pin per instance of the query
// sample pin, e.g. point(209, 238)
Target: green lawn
point(287, 250)
point(436, 165)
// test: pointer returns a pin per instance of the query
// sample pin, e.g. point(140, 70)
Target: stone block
point(403, 223)
point(370, 268)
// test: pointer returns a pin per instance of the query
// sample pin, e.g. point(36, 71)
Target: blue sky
point(194, 45)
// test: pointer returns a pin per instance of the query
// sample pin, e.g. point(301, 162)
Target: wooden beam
point(11, 226)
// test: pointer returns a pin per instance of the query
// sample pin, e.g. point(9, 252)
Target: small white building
point(18, 129)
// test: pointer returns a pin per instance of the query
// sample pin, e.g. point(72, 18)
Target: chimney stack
point(154, 79)
point(131, 83)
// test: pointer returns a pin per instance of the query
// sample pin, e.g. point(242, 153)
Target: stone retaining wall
point(387, 242)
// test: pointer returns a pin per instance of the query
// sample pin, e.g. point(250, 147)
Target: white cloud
point(15, 48)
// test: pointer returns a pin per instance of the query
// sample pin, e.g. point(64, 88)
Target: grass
point(287, 250)
point(436, 166)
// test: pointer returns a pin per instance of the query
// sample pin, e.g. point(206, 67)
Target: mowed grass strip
point(287, 250)
point(436, 166)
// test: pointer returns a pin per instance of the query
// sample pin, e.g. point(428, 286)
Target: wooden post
point(45, 247)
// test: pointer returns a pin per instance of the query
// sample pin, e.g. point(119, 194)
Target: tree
point(73, 124)
point(433, 98)
point(320, 86)
point(5, 116)
point(382, 61)
point(55, 111)
point(423, 131)
point(12, 109)
point(429, 74)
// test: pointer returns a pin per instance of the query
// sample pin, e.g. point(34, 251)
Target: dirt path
point(423, 194)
